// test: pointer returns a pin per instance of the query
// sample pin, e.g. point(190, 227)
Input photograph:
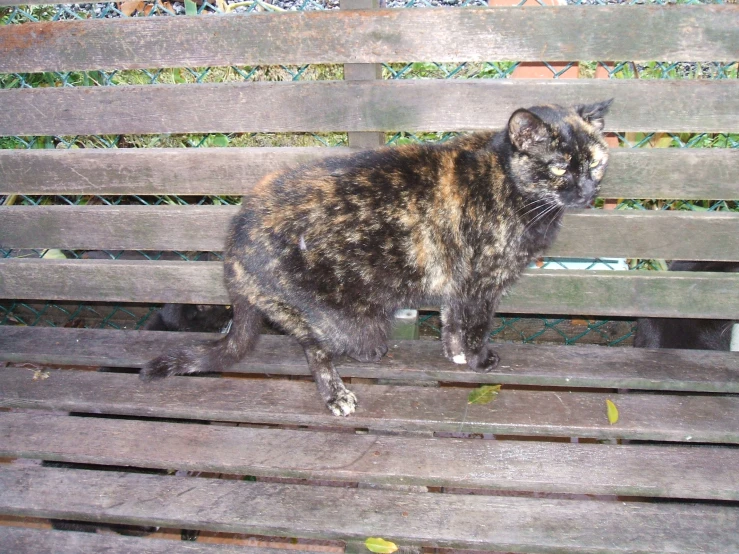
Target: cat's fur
point(694, 334)
point(329, 251)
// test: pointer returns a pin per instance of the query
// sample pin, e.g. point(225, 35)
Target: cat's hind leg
point(318, 334)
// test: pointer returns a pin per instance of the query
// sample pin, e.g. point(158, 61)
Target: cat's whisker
point(540, 216)
point(555, 218)
point(547, 203)
point(537, 203)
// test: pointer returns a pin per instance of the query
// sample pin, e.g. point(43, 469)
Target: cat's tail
point(210, 356)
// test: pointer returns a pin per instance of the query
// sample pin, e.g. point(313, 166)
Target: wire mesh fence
point(132, 316)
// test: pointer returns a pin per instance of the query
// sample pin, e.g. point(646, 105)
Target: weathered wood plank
point(692, 174)
point(648, 234)
point(408, 105)
point(540, 291)
point(562, 33)
point(32, 541)
point(584, 234)
point(570, 366)
point(712, 419)
point(652, 471)
point(632, 173)
point(447, 520)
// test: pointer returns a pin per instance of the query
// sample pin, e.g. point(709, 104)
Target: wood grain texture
point(565, 366)
point(446, 520)
point(649, 234)
point(689, 173)
point(689, 418)
point(608, 293)
point(564, 33)
point(651, 471)
point(324, 106)
point(33, 541)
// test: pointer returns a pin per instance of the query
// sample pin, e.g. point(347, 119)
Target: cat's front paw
point(487, 360)
point(342, 403)
point(453, 348)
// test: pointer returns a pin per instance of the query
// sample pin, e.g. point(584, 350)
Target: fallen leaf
point(54, 254)
point(130, 7)
point(484, 394)
point(380, 546)
point(612, 412)
point(191, 8)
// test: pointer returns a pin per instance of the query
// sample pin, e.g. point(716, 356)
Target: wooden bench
point(401, 469)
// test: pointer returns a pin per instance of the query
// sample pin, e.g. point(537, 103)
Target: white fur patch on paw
point(459, 359)
point(344, 404)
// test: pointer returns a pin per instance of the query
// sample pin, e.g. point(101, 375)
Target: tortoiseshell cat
point(330, 250)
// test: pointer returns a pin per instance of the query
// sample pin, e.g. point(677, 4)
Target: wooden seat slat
point(690, 418)
point(650, 471)
point(478, 522)
point(20, 540)
point(356, 36)
point(584, 234)
point(539, 291)
point(632, 173)
point(414, 105)
point(521, 364)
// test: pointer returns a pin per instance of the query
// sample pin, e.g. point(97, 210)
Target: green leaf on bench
point(380, 546)
point(483, 395)
point(612, 412)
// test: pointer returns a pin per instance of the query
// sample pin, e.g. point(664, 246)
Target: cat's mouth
point(582, 203)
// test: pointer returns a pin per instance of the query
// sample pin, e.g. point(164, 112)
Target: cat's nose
point(588, 190)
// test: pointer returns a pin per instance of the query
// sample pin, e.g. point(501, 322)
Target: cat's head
point(559, 153)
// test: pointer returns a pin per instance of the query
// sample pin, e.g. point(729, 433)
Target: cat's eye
point(594, 163)
point(558, 171)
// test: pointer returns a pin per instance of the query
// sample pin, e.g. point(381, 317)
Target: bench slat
point(652, 471)
point(407, 105)
point(568, 366)
point(523, 524)
point(395, 408)
point(632, 173)
point(359, 36)
point(19, 540)
point(540, 291)
point(668, 235)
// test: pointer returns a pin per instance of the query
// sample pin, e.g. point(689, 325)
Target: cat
point(694, 334)
point(329, 250)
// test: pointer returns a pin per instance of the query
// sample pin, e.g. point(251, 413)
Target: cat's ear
point(594, 113)
point(527, 131)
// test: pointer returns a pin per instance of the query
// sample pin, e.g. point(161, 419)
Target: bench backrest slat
point(356, 36)
point(608, 293)
point(318, 106)
point(632, 172)
point(585, 233)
